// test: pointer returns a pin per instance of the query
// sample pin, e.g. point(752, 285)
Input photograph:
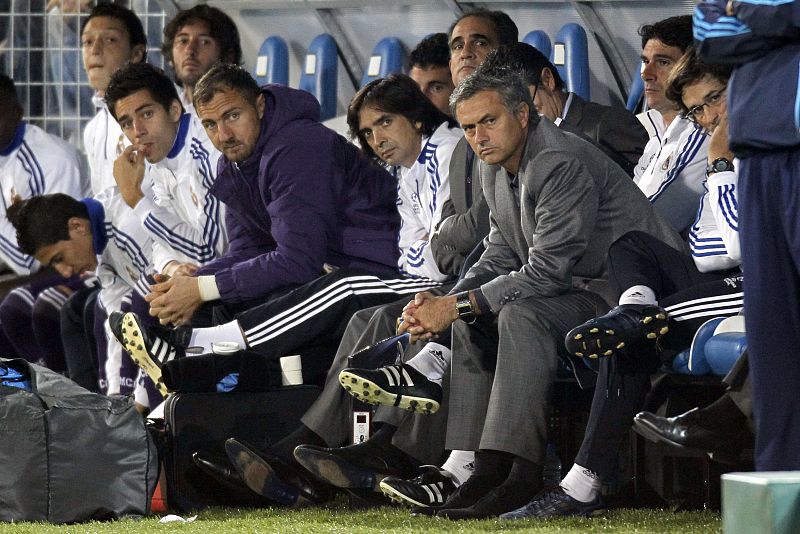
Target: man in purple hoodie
point(312, 225)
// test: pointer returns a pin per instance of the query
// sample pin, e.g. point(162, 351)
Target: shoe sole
point(260, 477)
point(133, 343)
point(336, 471)
point(371, 393)
point(399, 497)
point(593, 342)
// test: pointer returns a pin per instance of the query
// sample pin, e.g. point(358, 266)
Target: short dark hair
point(397, 94)
point(508, 84)
point(134, 77)
point(689, 70)
point(522, 58)
point(43, 220)
point(220, 26)
point(224, 76)
point(674, 31)
point(432, 51)
point(506, 29)
point(129, 19)
point(7, 89)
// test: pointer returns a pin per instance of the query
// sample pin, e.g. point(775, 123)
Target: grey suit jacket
point(615, 130)
point(574, 202)
point(464, 223)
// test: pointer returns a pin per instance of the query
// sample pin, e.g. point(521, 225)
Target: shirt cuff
point(208, 288)
point(483, 302)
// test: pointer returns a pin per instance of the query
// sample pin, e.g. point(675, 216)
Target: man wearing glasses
point(671, 170)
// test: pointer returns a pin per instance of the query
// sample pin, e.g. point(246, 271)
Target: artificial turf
point(337, 518)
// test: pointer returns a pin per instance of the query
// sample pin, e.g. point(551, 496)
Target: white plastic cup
point(225, 347)
point(291, 370)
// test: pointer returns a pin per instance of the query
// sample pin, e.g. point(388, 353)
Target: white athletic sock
point(433, 361)
point(581, 484)
point(638, 295)
point(461, 465)
point(204, 337)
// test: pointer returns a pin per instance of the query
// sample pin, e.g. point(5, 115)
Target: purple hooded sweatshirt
point(305, 197)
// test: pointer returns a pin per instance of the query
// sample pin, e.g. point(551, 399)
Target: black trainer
point(393, 385)
point(605, 335)
point(149, 346)
point(430, 489)
point(555, 502)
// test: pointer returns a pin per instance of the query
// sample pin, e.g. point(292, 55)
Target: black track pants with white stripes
point(690, 297)
point(317, 312)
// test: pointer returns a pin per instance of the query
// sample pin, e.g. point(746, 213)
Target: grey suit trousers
point(503, 371)
point(420, 436)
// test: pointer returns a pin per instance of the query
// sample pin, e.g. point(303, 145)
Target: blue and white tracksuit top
point(671, 170)
point(762, 40)
point(714, 236)
point(422, 191)
point(183, 218)
point(34, 163)
point(103, 142)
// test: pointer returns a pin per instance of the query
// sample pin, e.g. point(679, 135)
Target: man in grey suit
point(556, 204)
point(614, 129)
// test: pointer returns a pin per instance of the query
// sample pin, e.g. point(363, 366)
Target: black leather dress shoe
point(220, 471)
point(504, 498)
point(273, 478)
point(684, 432)
point(608, 334)
point(356, 466)
point(468, 493)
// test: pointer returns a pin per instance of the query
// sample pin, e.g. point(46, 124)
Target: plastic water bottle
point(551, 474)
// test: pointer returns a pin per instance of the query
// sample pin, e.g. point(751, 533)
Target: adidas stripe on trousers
point(318, 312)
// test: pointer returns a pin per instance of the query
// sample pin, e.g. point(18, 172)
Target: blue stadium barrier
point(388, 56)
point(319, 75)
point(272, 63)
point(540, 41)
point(571, 57)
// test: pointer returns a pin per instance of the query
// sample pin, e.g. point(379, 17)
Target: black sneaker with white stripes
point(608, 334)
point(149, 346)
point(430, 489)
point(393, 385)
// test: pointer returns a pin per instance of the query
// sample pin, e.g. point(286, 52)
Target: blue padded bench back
point(272, 63)
point(711, 352)
point(571, 57)
point(635, 93)
point(388, 56)
point(319, 75)
point(540, 41)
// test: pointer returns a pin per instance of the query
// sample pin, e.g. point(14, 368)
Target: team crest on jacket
point(665, 166)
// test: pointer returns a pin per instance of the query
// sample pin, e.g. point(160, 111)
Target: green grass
point(337, 518)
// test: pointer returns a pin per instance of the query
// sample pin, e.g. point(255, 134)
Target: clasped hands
point(174, 299)
point(428, 315)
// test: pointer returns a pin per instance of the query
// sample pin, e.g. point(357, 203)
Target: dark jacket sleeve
point(756, 29)
point(242, 245)
point(622, 136)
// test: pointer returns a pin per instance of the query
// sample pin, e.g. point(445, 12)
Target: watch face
point(720, 165)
